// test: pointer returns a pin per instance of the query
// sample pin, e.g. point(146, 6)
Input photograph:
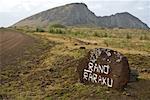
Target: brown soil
point(12, 44)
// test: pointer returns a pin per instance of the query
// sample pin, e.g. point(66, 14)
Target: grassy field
point(48, 69)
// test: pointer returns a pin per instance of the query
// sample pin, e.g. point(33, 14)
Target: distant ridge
point(78, 14)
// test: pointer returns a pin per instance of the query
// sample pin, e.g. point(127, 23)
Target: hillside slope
point(78, 14)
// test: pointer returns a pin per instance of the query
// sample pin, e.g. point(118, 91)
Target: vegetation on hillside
point(57, 26)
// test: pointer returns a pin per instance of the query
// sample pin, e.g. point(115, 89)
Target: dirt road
point(12, 45)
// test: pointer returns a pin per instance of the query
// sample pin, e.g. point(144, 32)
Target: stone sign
point(104, 67)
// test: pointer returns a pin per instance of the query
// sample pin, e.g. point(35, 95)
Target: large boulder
point(104, 67)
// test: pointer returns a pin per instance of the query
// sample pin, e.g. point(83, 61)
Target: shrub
point(96, 34)
point(79, 33)
point(51, 30)
point(56, 30)
point(105, 35)
point(58, 26)
point(141, 38)
point(128, 36)
point(145, 37)
point(106, 43)
point(100, 34)
point(39, 29)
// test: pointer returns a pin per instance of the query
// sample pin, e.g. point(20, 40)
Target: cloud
point(12, 5)
point(140, 8)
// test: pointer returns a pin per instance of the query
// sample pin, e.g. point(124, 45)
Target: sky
point(12, 11)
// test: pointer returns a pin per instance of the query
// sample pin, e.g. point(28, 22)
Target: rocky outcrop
point(104, 67)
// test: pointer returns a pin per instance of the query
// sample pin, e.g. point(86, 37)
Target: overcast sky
point(11, 11)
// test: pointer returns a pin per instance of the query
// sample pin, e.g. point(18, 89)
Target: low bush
point(39, 29)
point(58, 26)
point(128, 36)
point(56, 30)
point(145, 37)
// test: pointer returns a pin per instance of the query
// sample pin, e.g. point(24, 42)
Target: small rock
point(91, 94)
point(26, 72)
point(82, 48)
point(87, 43)
point(66, 47)
point(144, 70)
point(95, 43)
point(75, 44)
point(107, 91)
point(51, 69)
point(126, 93)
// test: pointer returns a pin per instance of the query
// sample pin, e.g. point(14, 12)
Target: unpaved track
point(12, 45)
